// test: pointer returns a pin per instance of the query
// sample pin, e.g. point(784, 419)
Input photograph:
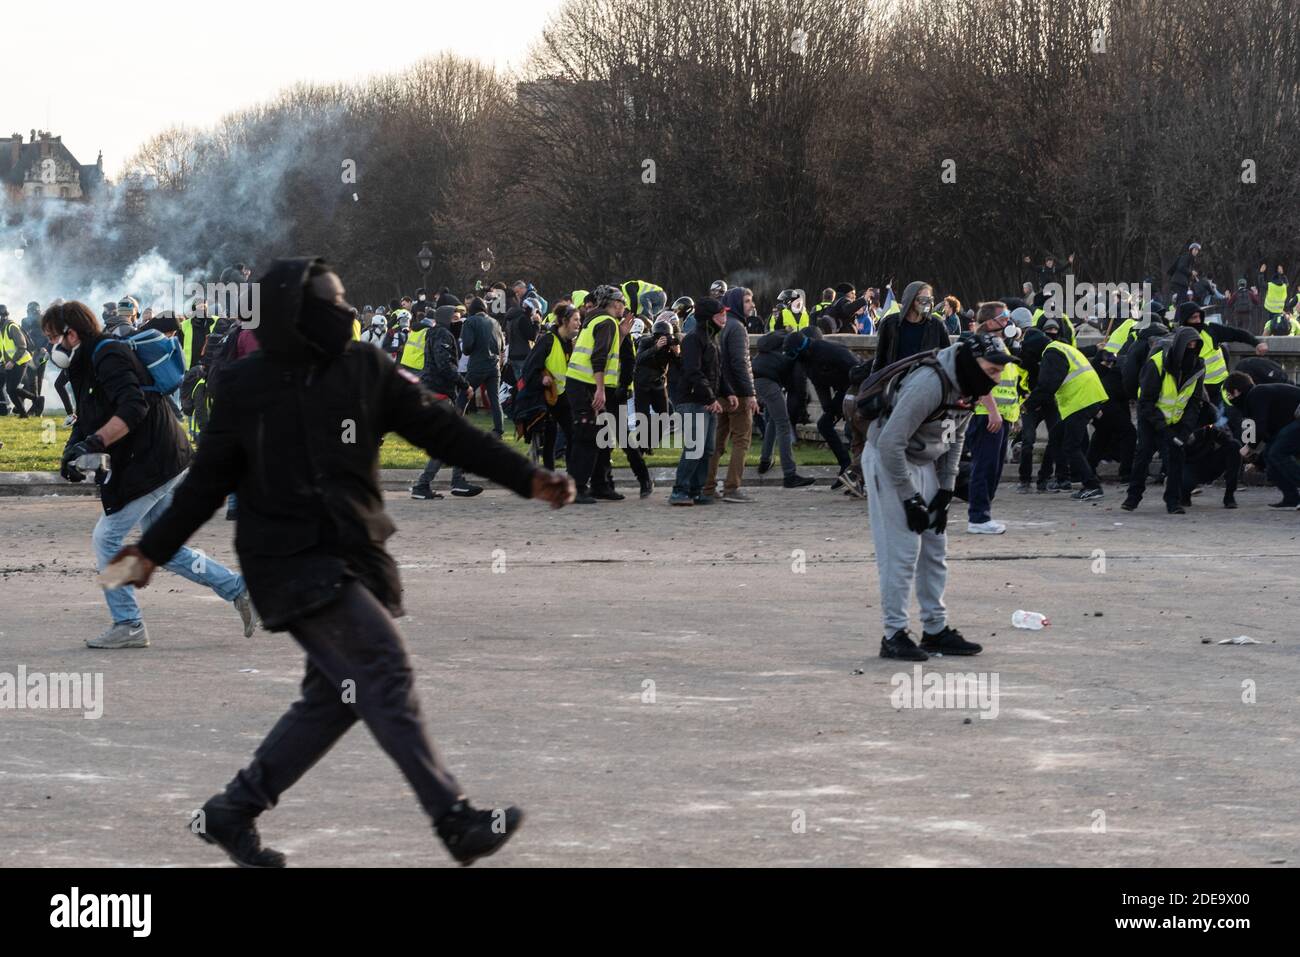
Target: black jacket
point(110, 383)
point(441, 356)
point(701, 364)
point(295, 433)
point(652, 363)
point(935, 336)
point(1273, 407)
point(770, 360)
point(828, 364)
point(522, 328)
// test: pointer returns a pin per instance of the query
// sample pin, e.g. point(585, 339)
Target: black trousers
point(635, 460)
point(588, 464)
point(1029, 419)
point(1113, 437)
point(1209, 466)
point(357, 667)
point(14, 388)
point(833, 411)
point(1070, 457)
point(1149, 442)
point(558, 420)
point(648, 400)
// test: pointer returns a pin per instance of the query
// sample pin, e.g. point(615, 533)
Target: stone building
point(43, 168)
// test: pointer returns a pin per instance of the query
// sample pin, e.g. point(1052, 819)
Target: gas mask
point(61, 356)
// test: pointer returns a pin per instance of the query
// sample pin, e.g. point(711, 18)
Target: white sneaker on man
point(991, 527)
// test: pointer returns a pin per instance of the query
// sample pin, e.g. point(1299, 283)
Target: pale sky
point(122, 71)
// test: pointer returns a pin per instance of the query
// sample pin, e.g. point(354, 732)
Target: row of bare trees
point(776, 143)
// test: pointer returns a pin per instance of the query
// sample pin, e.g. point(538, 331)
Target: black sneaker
point(1087, 494)
point(1042, 487)
point(1024, 488)
point(466, 490)
point(1064, 486)
point(427, 494)
point(949, 642)
point(1229, 502)
point(609, 496)
point(647, 488)
point(764, 466)
point(901, 645)
point(236, 834)
point(798, 481)
point(584, 499)
point(1285, 503)
point(1131, 504)
point(470, 834)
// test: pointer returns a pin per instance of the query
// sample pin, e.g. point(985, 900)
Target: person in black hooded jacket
point(912, 330)
point(296, 430)
point(1170, 392)
point(828, 365)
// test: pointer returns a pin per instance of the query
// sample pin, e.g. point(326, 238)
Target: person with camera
point(910, 463)
point(147, 454)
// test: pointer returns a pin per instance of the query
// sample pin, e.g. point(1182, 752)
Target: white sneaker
point(991, 527)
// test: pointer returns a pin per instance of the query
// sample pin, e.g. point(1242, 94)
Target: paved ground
point(758, 723)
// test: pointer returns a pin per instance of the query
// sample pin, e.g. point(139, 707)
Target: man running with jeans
point(148, 454)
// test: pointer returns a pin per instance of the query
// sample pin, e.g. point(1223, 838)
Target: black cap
point(708, 308)
point(984, 346)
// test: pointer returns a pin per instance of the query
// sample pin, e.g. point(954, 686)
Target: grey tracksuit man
point(906, 455)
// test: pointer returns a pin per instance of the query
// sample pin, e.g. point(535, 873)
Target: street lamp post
point(424, 258)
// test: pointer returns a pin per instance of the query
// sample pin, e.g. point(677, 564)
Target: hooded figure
point(891, 345)
point(297, 435)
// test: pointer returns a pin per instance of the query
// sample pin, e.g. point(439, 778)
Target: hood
point(443, 315)
point(1176, 346)
point(734, 300)
point(1032, 346)
point(1186, 311)
point(909, 294)
point(281, 290)
point(447, 299)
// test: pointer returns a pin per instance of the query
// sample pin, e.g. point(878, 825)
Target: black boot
point(236, 834)
point(949, 642)
point(470, 834)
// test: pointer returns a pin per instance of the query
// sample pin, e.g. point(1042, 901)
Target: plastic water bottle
point(1031, 620)
point(92, 462)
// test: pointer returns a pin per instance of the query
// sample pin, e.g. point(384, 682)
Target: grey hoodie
point(904, 436)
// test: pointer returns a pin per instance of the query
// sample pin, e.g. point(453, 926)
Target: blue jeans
point(988, 453)
point(111, 531)
point(691, 473)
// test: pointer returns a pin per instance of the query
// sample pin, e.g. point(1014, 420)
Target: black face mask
point(971, 379)
point(325, 325)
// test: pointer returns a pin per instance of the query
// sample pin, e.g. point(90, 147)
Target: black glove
point(939, 510)
point(90, 445)
point(918, 516)
point(71, 472)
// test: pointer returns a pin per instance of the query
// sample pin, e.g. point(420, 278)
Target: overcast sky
point(122, 71)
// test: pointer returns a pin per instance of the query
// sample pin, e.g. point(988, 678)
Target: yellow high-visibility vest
point(1120, 335)
point(413, 353)
point(580, 362)
point(1216, 366)
point(1173, 401)
point(1007, 393)
point(9, 348)
point(1082, 386)
point(557, 363)
point(635, 306)
point(1275, 297)
point(790, 320)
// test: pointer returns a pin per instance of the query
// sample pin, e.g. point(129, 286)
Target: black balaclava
point(971, 378)
point(326, 325)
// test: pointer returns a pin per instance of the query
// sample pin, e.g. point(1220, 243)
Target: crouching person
point(910, 466)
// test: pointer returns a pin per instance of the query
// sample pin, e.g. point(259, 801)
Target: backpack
point(875, 397)
point(161, 357)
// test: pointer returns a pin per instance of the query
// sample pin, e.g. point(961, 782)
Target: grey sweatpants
point(903, 556)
